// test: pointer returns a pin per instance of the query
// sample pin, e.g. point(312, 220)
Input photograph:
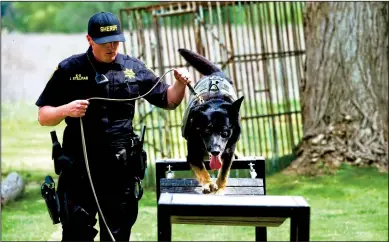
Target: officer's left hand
point(182, 76)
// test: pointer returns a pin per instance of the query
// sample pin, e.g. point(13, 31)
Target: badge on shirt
point(129, 73)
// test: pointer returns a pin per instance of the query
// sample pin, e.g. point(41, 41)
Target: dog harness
point(210, 84)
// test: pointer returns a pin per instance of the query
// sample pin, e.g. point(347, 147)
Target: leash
point(84, 143)
point(192, 90)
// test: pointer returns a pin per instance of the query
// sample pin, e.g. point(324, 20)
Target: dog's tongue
point(214, 162)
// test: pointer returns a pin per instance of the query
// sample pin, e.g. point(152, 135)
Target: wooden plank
point(217, 200)
point(232, 182)
point(228, 190)
point(229, 221)
point(301, 201)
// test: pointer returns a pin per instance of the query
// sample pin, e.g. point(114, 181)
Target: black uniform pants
point(115, 193)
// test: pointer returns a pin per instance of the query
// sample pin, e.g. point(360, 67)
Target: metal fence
point(259, 45)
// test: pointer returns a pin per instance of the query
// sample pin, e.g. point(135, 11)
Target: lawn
point(351, 205)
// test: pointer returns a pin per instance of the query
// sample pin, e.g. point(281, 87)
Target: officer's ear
point(90, 41)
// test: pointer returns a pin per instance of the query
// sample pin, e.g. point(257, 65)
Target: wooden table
point(245, 203)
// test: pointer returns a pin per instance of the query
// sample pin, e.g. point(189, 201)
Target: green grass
point(27, 218)
point(351, 205)
point(25, 145)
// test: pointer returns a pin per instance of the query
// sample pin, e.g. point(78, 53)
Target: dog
point(211, 123)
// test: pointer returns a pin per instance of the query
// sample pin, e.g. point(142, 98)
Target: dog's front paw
point(221, 183)
point(209, 187)
point(220, 191)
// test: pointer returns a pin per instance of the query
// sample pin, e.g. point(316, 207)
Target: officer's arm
point(51, 116)
point(54, 105)
point(176, 92)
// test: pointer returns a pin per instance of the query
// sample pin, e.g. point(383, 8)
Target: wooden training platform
point(245, 203)
point(247, 186)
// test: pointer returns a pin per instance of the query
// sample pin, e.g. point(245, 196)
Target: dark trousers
point(115, 196)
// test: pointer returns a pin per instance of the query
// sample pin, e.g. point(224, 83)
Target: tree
point(344, 97)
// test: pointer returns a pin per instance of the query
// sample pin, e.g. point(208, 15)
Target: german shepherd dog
point(211, 123)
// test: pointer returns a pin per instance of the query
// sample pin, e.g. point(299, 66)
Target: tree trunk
point(345, 94)
point(11, 188)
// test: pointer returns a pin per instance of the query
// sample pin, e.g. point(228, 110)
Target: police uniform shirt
point(105, 122)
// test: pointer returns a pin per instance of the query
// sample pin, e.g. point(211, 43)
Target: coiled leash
point(84, 144)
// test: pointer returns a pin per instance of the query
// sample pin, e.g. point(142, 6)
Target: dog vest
point(210, 84)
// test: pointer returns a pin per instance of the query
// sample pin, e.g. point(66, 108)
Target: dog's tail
point(199, 62)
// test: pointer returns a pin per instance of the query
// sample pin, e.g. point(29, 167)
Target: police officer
point(101, 72)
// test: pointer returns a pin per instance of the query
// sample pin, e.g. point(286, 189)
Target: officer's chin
point(111, 55)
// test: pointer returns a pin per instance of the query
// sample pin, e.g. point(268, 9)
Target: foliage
point(66, 17)
point(72, 17)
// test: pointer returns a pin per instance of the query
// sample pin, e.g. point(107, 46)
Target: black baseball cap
point(105, 27)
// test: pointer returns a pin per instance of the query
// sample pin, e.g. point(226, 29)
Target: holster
point(134, 159)
point(56, 201)
point(51, 199)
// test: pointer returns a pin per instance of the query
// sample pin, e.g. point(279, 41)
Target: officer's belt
point(210, 84)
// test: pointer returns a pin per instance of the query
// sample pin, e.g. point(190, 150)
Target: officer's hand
point(182, 76)
point(77, 108)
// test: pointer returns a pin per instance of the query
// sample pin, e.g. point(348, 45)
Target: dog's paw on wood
point(220, 191)
point(209, 187)
point(221, 183)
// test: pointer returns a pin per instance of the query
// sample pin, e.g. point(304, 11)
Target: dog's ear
point(236, 105)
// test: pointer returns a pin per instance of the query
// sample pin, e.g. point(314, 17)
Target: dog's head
point(217, 123)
